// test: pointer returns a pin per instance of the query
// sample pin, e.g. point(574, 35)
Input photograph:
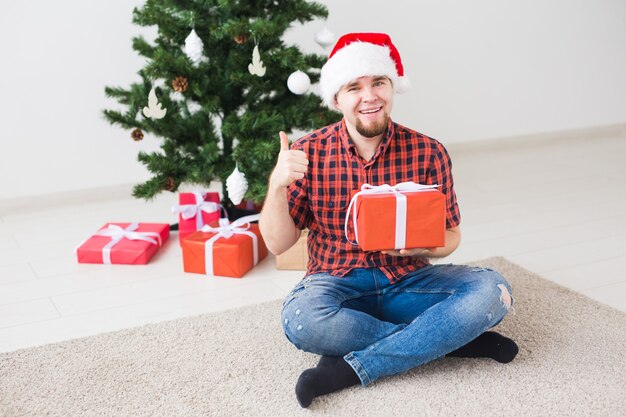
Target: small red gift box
point(229, 250)
point(123, 243)
point(195, 210)
point(404, 216)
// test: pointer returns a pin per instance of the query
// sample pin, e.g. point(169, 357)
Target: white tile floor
point(556, 208)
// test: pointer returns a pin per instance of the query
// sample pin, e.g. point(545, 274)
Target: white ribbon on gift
point(226, 230)
point(397, 190)
point(187, 211)
point(116, 233)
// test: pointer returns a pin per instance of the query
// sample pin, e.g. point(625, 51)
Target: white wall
point(481, 69)
point(57, 56)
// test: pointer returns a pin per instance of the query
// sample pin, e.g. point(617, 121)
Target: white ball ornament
point(298, 82)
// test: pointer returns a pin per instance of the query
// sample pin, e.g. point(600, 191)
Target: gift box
point(296, 257)
point(123, 243)
point(228, 249)
point(404, 216)
point(195, 210)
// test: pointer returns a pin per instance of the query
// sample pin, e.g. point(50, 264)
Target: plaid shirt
point(319, 201)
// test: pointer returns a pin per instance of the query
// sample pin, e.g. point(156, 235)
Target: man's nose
point(368, 94)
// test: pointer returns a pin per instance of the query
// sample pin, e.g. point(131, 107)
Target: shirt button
point(331, 204)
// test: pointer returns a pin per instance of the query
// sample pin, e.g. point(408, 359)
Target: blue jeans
point(384, 329)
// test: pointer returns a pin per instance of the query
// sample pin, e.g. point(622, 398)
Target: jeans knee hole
point(479, 269)
point(505, 296)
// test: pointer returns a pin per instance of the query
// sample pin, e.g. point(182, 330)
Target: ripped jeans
point(384, 329)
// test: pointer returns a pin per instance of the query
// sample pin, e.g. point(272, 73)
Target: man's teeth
point(370, 111)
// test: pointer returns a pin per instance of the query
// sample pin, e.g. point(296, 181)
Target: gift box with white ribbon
point(195, 210)
point(405, 216)
point(227, 249)
point(123, 243)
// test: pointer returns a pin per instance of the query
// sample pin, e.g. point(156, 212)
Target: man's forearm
point(277, 227)
point(453, 238)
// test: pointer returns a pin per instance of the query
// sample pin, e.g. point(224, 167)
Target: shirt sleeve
point(441, 173)
point(298, 199)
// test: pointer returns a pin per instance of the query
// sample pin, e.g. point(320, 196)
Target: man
point(373, 314)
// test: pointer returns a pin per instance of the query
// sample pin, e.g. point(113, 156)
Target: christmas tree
point(214, 91)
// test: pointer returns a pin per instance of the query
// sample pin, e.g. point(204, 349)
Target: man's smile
point(370, 111)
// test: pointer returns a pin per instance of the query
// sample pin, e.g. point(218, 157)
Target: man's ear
point(336, 103)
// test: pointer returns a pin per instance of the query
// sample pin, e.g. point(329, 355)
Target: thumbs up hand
point(291, 165)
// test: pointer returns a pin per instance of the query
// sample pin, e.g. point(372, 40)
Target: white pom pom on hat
point(358, 55)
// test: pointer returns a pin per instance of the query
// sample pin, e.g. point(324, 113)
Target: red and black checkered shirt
point(320, 200)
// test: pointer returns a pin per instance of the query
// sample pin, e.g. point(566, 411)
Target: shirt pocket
point(330, 214)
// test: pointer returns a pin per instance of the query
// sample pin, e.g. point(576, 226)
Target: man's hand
point(453, 238)
point(291, 165)
point(277, 226)
point(421, 252)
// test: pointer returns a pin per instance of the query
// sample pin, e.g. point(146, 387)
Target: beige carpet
point(238, 363)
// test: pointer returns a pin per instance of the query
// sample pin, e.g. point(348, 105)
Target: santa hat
point(358, 55)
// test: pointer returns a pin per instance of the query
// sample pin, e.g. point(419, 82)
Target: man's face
point(366, 104)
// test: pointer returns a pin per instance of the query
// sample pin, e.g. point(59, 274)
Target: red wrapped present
point(123, 243)
point(228, 250)
point(195, 210)
point(404, 216)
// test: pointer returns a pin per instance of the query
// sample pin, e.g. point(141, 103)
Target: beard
point(374, 129)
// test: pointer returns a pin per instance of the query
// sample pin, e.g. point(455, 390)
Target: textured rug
point(572, 362)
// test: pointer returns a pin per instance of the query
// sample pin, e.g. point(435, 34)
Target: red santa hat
point(358, 55)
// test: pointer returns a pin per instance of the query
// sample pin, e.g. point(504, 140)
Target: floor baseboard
point(47, 201)
point(122, 191)
point(539, 139)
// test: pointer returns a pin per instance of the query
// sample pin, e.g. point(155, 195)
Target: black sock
point(328, 360)
point(488, 345)
point(325, 378)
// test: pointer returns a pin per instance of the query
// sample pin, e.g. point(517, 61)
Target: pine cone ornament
point(170, 184)
point(241, 38)
point(137, 135)
point(180, 84)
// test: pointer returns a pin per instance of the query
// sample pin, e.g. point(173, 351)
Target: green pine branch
point(226, 116)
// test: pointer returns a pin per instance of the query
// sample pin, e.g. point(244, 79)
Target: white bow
point(188, 211)
point(397, 190)
point(117, 233)
point(227, 230)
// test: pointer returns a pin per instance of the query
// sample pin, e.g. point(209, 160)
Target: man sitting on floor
point(373, 314)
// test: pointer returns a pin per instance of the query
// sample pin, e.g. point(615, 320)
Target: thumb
point(284, 141)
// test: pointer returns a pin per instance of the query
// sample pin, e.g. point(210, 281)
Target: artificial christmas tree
point(214, 91)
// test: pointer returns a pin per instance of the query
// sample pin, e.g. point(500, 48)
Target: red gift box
point(404, 216)
point(195, 210)
point(227, 250)
point(123, 243)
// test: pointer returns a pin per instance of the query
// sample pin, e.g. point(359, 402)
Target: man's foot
point(488, 345)
point(328, 360)
point(331, 374)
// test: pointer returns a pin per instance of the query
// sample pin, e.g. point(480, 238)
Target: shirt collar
point(349, 146)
